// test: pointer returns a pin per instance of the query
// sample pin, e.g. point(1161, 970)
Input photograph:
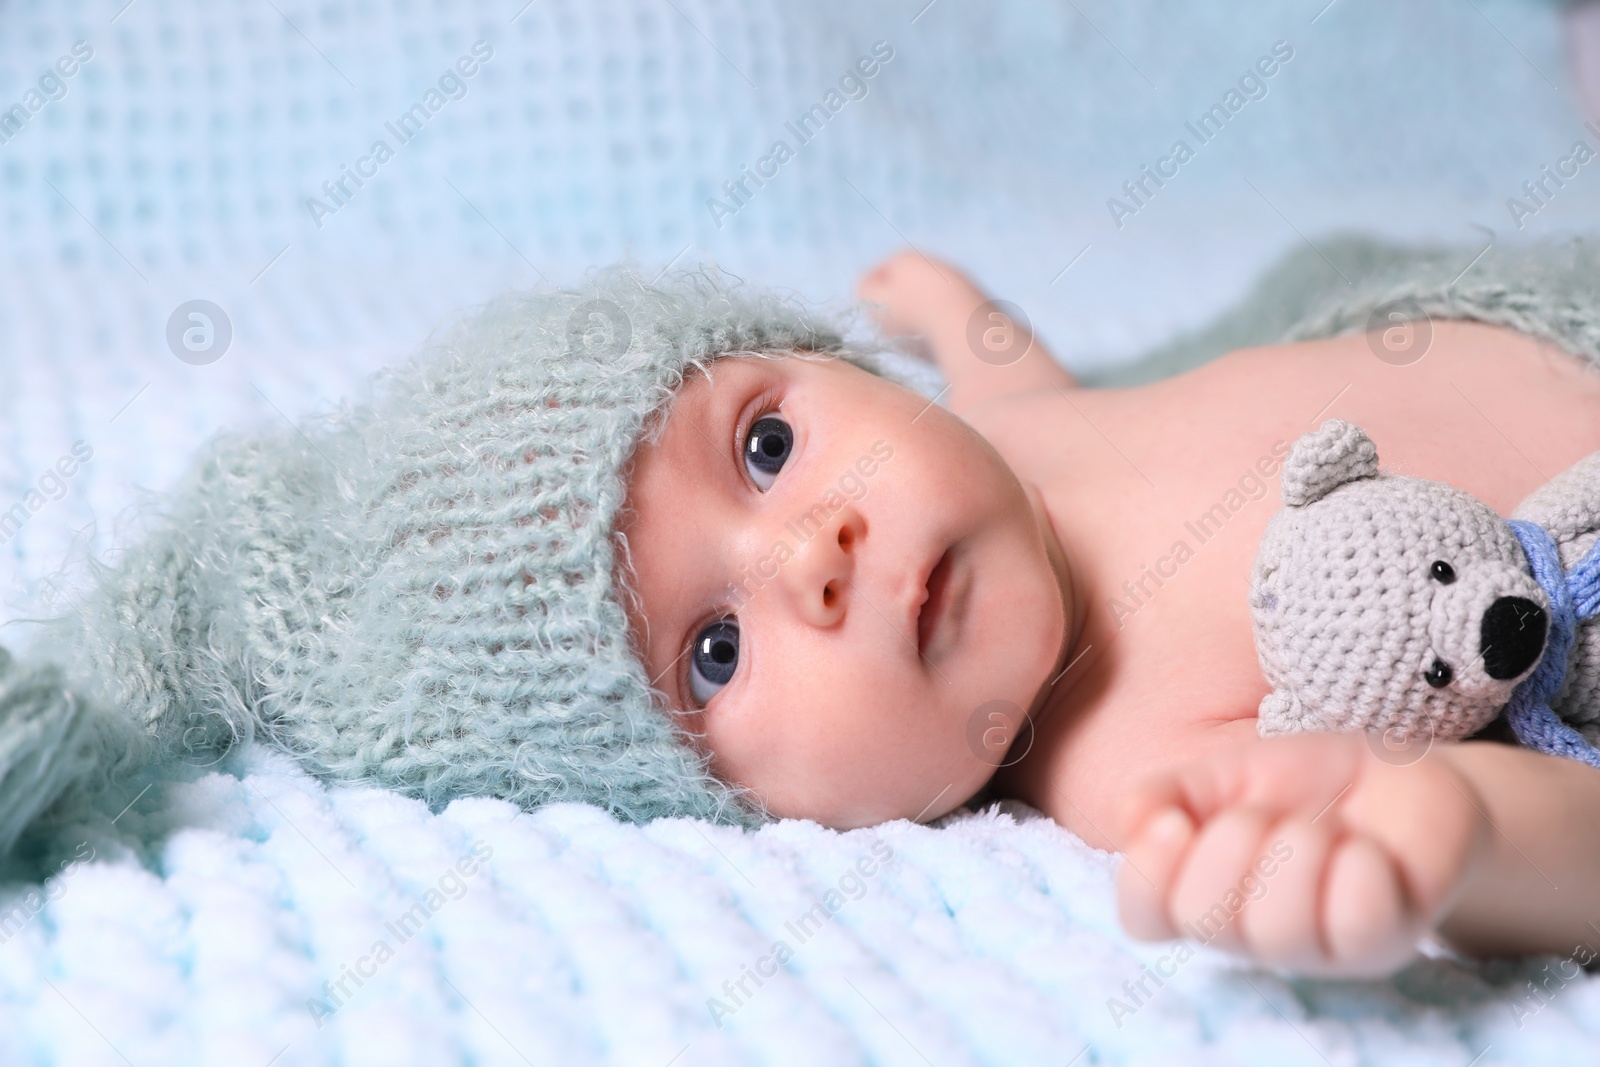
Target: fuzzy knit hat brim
point(420, 589)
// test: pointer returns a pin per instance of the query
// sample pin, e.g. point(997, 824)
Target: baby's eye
point(712, 663)
point(766, 449)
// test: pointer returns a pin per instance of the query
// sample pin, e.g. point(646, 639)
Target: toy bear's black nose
point(1512, 636)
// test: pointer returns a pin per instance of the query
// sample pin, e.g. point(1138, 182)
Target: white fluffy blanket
point(237, 918)
point(252, 916)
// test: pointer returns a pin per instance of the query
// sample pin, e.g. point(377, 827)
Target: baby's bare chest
point(1164, 491)
point(1167, 488)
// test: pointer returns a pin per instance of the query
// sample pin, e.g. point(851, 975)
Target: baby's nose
point(823, 567)
point(1511, 636)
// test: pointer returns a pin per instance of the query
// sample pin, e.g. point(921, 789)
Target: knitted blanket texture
point(193, 897)
point(582, 938)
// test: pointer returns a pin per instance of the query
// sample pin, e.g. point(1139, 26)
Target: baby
point(578, 537)
point(863, 606)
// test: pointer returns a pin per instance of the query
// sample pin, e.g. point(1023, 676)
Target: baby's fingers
point(1150, 863)
point(1369, 924)
point(1283, 922)
point(1280, 774)
point(1216, 876)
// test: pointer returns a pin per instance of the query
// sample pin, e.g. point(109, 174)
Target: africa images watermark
point(1540, 996)
point(1542, 189)
point(52, 87)
point(52, 485)
point(852, 86)
point(1251, 486)
point(20, 915)
point(1252, 85)
point(851, 487)
point(1252, 886)
point(851, 885)
point(452, 85)
point(449, 886)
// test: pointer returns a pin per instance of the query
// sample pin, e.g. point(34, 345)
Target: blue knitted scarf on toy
point(1574, 597)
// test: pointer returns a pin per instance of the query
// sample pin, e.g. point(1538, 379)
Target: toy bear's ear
point(1335, 453)
point(1282, 713)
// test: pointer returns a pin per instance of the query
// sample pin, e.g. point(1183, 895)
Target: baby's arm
point(981, 351)
point(1537, 885)
point(1313, 853)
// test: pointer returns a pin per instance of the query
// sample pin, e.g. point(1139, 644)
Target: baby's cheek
point(792, 741)
point(893, 752)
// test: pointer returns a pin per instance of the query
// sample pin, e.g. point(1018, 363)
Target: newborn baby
point(863, 606)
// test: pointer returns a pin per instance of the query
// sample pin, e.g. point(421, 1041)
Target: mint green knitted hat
point(420, 590)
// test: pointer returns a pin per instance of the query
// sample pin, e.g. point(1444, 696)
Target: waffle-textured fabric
point(179, 162)
point(420, 590)
point(1366, 584)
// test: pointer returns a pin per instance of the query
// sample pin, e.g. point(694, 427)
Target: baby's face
point(783, 529)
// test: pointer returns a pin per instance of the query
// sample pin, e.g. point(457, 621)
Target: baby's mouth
point(933, 608)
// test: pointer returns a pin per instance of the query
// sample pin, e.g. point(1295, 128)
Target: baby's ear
point(1335, 453)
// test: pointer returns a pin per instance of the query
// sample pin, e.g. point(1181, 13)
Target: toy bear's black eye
point(1442, 573)
point(1439, 674)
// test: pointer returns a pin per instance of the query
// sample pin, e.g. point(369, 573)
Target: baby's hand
point(1308, 852)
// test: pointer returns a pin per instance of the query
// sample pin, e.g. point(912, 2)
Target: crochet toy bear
point(1407, 607)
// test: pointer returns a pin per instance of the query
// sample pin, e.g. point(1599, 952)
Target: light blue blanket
point(252, 916)
point(237, 917)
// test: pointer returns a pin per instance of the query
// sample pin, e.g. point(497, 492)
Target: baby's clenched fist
point(1309, 852)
